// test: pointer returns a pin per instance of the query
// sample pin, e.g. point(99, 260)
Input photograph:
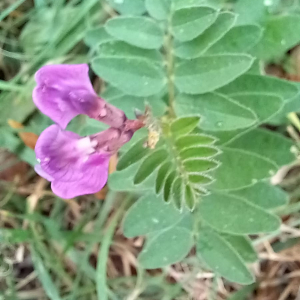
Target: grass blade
point(9, 86)
point(43, 275)
point(101, 280)
point(10, 9)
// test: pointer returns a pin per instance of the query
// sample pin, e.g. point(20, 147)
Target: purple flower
point(65, 91)
point(77, 165)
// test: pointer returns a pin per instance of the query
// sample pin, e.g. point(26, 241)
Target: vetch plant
point(204, 168)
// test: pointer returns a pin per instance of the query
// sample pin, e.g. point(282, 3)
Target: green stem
point(294, 120)
point(101, 277)
point(170, 71)
point(10, 86)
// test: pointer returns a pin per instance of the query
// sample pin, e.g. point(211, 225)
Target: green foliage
point(158, 251)
point(189, 22)
point(203, 42)
point(158, 9)
point(15, 145)
point(250, 11)
point(45, 278)
point(250, 167)
point(212, 163)
point(242, 245)
point(269, 196)
point(150, 164)
point(148, 35)
point(196, 65)
point(243, 292)
point(14, 236)
point(238, 216)
point(175, 162)
point(97, 36)
point(218, 253)
point(207, 73)
point(134, 76)
point(134, 71)
point(128, 7)
point(169, 232)
point(239, 39)
point(149, 215)
point(42, 43)
point(219, 112)
point(280, 35)
point(127, 102)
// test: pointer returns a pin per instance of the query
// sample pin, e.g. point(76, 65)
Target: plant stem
point(294, 120)
point(170, 71)
point(101, 277)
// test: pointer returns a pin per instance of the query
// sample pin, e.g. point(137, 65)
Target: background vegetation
point(93, 247)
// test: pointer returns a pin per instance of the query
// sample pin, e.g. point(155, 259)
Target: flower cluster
point(76, 165)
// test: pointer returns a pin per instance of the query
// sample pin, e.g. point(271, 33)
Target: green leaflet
point(242, 245)
point(221, 257)
point(200, 179)
point(241, 168)
point(264, 156)
point(134, 76)
point(190, 22)
point(135, 153)
point(169, 185)
point(263, 194)
point(199, 45)
point(149, 215)
point(184, 126)
point(194, 152)
point(239, 39)
point(264, 106)
point(178, 193)
point(179, 4)
point(235, 215)
point(159, 9)
point(190, 197)
point(219, 112)
point(148, 36)
point(207, 73)
point(162, 173)
point(97, 36)
point(128, 7)
point(193, 140)
point(265, 85)
point(123, 50)
point(157, 251)
point(150, 163)
point(271, 145)
point(193, 165)
point(250, 11)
